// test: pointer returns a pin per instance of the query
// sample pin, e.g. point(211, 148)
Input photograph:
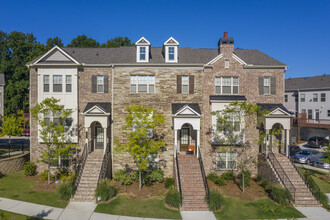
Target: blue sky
point(296, 32)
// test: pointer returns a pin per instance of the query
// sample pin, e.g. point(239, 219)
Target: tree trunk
point(243, 176)
point(140, 180)
point(9, 145)
point(48, 172)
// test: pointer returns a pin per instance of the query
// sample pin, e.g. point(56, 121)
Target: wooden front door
point(184, 140)
point(98, 137)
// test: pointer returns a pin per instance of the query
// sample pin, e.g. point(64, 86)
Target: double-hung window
point(315, 97)
point(328, 113)
point(68, 83)
point(142, 53)
point(226, 160)
point(142, 84)
point(286, 98)
point(302, 97)
point(266, 85)
point(47, 116)
point(310, 114)
point(170, 53)
point(226, 85)
point(100, 84)
point(57, 83)
point(185, 84)
point(46, 83)
point(322, 97)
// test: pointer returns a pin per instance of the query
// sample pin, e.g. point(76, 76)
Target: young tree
point(142, 140)
point(232, 121)
point(12, 125)
point(326, 159)
point(51, 118)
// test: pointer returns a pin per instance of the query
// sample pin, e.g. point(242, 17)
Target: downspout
point(112, 138)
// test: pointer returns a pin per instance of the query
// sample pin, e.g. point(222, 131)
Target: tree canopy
point(83, 41)
point(118, 42)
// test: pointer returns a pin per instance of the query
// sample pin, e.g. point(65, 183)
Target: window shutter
point(94, 85)
point(191, 84)
point(261, 85)
point(106, 84)
point(273, 85)
point(179, 84)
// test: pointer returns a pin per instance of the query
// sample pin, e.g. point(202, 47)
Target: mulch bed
point(133, 192)
point(252, 193)
point(325, 178)
point(42, 185)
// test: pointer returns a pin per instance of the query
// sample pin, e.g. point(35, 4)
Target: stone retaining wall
point(13, 164)
point(265, 170)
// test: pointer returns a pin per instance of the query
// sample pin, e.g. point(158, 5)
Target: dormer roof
point(142, 42)
point(171, 42)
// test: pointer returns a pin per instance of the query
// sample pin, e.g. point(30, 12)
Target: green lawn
point(148, 208)
point(15, 186)
point(14, 216)
point(261, 209)
point(316, 175)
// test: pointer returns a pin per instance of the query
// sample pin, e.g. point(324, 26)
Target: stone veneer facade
point(161, 100)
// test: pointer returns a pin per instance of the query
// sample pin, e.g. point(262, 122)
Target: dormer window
point(171, 50)
point(142, 50)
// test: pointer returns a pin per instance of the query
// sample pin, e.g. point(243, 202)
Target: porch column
point(175, 142)
point(267, 141)
point(104, 139)
point(198, 142)
point(287, 142)
point(86, 140)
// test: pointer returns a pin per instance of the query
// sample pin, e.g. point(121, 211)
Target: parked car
point(307, 156)
point(293, 149)
point(317, 142)
point(321, 163)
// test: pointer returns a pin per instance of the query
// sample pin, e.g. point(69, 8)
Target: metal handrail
point(203, 172)
point(316, 192)
point(104, 166)
point(282, 174)
point(178, 176)
point(80, 169)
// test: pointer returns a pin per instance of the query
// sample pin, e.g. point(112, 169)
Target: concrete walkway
point(197, 215)
point(314, 213)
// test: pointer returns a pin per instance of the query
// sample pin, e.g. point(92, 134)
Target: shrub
point(228, 175)
point(173, 197)
point(212, 176)
point(214, 200)
point(259, 178)
point(146, 180)
point(220, 181)
point(61, 173)
point(169, 181)
point(135, 175)
point(105, 191)
point(280, 194)
point(64, 190)
point(324, 200)
point(157, 176)
point(122, 177)
point(264, 183)
point(247, 177)
point(44, 176)
point(30, 168)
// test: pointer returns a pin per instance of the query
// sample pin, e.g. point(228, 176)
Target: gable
point(279, 112)
point(57, 56)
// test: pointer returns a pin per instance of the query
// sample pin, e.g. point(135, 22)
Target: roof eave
point(251, 66)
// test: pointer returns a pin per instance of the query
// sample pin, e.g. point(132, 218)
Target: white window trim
point(175, 60)
point(231, 85)
point(227, 156)
point(53, 83)
point(97, 84)
point(302, 97)
point(325, 97)
point(226, 64)
point(68, 83)
point(184, 85)
point(317, 97)
point(137, 84)
point(269, 91)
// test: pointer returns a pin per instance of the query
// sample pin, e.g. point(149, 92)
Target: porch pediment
point(186, 109)
point(97, 108)
point(276, 110)
point(56, 56)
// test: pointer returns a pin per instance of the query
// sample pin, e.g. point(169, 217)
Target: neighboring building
point(309, 97)
point(182, 83)
point(2, 94)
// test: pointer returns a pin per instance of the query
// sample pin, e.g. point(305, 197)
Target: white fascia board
point(214, 60)
point(279, 109)
point(239, 59)
point(142, 38)
point(175, 42)
point(91, 109)
point(187, 107)
point(62, 51)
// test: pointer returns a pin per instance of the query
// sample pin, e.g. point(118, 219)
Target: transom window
point(142, 53)
point(57, 83)
point(322, 97)
point(142, 84)
point(226, 85)
point(266, 85)
point(68, 83)
point(46, 83)
point(302, 97)
point(315, 97)
point(226, 160)
point(185, 84)
point(100, 84)
point(171, 53)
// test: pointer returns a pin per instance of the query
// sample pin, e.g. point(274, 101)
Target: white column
point(104, 139)
point(198, 142)
point(267, 141)
point(287, 142)
point(175, 142)
point(86, 140)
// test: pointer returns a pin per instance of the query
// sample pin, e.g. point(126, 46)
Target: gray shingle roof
point(2, 79)
point(105, 106)
point(308, 83)
point(187, 55)
point(272, 107)
point(228, 97)
point(176, 107)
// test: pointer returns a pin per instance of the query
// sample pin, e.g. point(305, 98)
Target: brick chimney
point(226, 45)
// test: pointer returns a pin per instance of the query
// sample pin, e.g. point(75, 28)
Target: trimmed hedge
point(169, 181)
point(30, 168)
point(279, 194)
point(122, 177)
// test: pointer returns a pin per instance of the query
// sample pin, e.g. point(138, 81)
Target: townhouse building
point(184, 84)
